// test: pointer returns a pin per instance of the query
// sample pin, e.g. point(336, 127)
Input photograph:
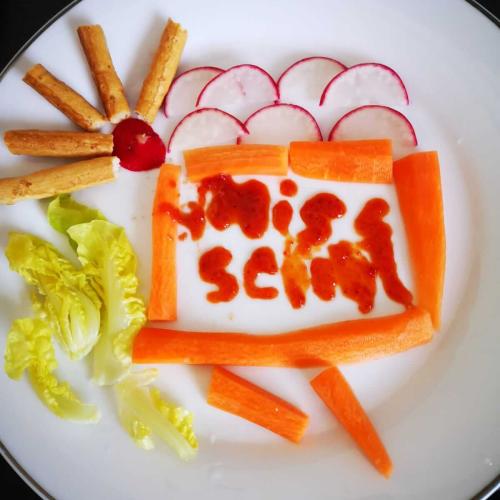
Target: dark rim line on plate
point(484, 494)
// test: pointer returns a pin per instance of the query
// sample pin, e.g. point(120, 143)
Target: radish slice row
point(281, 124)
point(377, 122)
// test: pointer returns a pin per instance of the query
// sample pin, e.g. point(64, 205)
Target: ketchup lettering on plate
point(193, 219)
point(282, 216)
point(262, 260)
point(212, 269)
point(288, 187)
point(323, 278)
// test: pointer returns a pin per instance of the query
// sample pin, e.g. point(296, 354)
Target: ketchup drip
point(212, 269)
point(288, 187)
point(282, 216)
point(323, 278)
point(193, 220)
point(377, 242)
point(262, 260)
point(294, 275)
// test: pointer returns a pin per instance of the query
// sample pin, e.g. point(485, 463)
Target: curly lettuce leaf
point(109, 260)
point(29, 348)
point(144, 413)
point(65, 296)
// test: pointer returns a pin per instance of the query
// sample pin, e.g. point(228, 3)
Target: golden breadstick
point(64, 98)
point(57, 180)
point(162, 71)
point(101, 66)
point(58, 144)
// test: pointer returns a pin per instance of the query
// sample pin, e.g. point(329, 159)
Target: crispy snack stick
point(57, 180)
point(103, 72)
point(162, 71)
point(64, 98)
point(58, 144)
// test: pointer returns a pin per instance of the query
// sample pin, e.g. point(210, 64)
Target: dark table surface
point(20, 19)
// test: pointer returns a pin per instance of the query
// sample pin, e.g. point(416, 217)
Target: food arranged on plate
point(229, 122)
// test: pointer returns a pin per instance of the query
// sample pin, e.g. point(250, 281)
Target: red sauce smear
point(317, 214)
point(354, 274)
point(282, 216)
point(262, 260)
point(137, 145)
point(377, 242)
point(294, 275)
point(323, 278)
point(212, 268)
point(245, 204)
point(183, 236)
point(288, 187)
point(193, 219)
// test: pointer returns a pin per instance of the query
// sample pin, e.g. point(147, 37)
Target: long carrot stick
point(240, 397)
point(329, 344)
point(333, 389)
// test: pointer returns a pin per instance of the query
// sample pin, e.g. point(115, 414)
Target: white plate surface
point(437, 407)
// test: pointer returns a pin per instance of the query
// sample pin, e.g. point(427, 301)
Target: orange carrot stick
point(329, 344)
point(237, 159)
point(238, 396)
point(346, 161)
point(333, 389)
point(163, 295)
point(418, 184)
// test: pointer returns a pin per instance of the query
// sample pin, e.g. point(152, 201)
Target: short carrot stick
point(236, 159)
point(329, 344)
point(238, 396)
point(333, 389)
point(163, 295)
point(345, 161)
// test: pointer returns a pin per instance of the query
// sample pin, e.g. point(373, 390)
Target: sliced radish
point(281, 124)
point(184, 91)
point(306, 79)
point(377, 122)
point(205, 127)
point(367, 83)
point(240, 90)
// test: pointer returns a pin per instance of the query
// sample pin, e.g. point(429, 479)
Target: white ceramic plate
point(437, 407)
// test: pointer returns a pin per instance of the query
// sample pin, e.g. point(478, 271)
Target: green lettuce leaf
point(109, 260)
point(29, 348)
point(144, 412)
point(64, 296)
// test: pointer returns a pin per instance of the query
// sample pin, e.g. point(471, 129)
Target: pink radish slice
point(307, 78)
point(238, 88)
point(377, 122)
point(205, 127)
point(367, 83)
point(181, 98)
point(281, 124)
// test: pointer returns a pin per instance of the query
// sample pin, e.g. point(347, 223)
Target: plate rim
point(492, 487)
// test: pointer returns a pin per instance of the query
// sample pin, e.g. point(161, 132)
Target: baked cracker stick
point(58, 180)
point(58, 144)
point(162, 71)
point(101, 66)
point(64, 98)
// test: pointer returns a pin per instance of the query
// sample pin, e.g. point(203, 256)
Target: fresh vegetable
point(281, 124)
point(143, 413)
point(418, 184)
point(333, 343)
point(238, 396)
point(241, 159)
point(163, 294)
point(376, 122)
point(184, 91)
point(334, 390)
point(109, 260)
point(366, 83)
point(345, 161)
point(29, 348)
point(305, 79)
point(205, 127)
point(239, 89)
point(65, 296)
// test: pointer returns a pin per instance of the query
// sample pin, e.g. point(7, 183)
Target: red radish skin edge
point(212, 68)
point(294, 106)
point(201, 110)
point(305, 59)
point(387, 68)
point(376, 106)
point(257, 68)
